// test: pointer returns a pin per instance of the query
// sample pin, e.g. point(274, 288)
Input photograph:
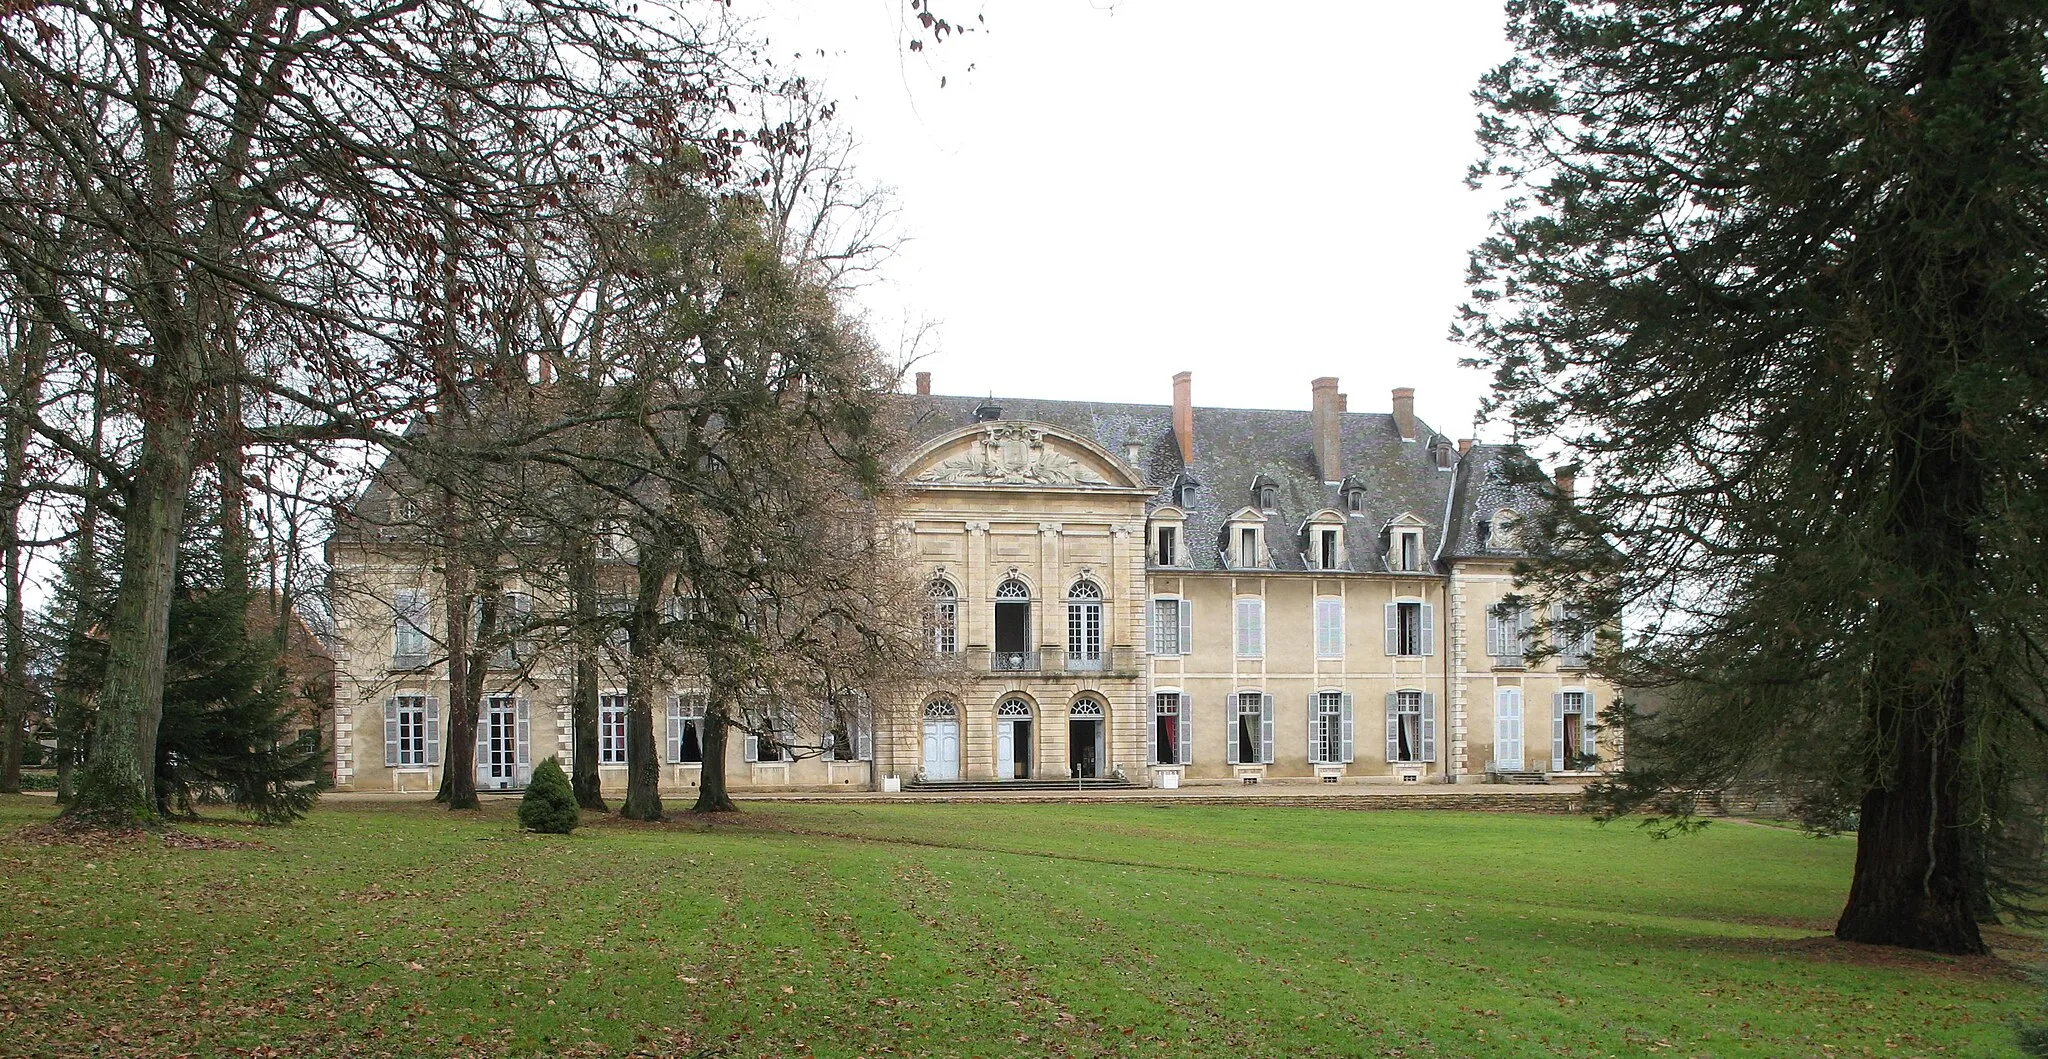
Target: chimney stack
point(1464, 446)
point(1567, 482)
point(1322, 417)
point(1404, 411)
point(1343, 402)
point(1184, 416)
point(924, 384)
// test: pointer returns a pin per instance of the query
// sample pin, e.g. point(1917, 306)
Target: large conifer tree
point(1775, 273)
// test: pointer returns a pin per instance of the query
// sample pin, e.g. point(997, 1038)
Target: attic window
point(1504, 522)
point(408, 509)
point(1354, 499)
point(1269, 497)
point(1187, 494)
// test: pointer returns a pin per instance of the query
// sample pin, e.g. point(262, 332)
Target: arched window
point(942, 616)
point(1504, 526)
point(941, 709)
point(1014, 708)
point(1085, 708)
point(1084, 625)
point(1013, 627)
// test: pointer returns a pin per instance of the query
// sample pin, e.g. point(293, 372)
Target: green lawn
point(965, 930)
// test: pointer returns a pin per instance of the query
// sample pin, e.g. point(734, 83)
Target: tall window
point(611, 729)
point(1171, 628)
point(942, 616)
point(1329, 628)
point(1084, 625)
point(1251, 628)
point(1329, 728)
point(1507, 633)
point(1166, 546)
point(769, 744)
point(846, 729)
point(1251, 729)
point(1571, 738)
point(1013, 624)
point(1411, 628)
point(1247, 548)
point(614, 610)
point(1328, 555)
point(1172, 738)
point(1411, 729)
point(1572, 635)
point(409, 737)
point(686, 729)
point(409, 644)
point(1410, 551)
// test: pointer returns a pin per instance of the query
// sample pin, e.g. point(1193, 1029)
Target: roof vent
point(988, 411)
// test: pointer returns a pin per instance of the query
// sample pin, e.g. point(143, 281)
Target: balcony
point(1013, 661)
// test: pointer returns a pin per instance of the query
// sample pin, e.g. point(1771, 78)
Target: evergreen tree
point(1776, 274)
point(549, 806)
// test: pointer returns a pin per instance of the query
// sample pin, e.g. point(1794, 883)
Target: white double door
point(1013, 748)
point(941, 750)
point(500, 757)
point(1507, 729)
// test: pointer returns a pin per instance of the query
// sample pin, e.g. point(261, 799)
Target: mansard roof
point(1492, 479)
point(1233, 448)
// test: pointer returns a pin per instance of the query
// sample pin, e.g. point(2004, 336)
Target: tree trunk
point(643, 754)
point(468, 661)
point(1911, 884)
point(117, 784)
point(25, 391)
point(584, 678)
point(711, 793)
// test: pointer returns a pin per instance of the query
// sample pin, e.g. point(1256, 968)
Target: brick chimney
point(924, 384)
point(1322, 417)
point(1343, 402)
point(1464, 446)
point(1404, 411)
point(1567, 482)
point(1184, 416)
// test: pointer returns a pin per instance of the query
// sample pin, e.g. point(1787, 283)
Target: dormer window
point(1404, 545)
point(1166, 546)
point(1266, 493)
point(1329, 549)
point(408, 509)
point(1185, 494)
point(1504, 522)
point(1410, 553)
point(1248, 547)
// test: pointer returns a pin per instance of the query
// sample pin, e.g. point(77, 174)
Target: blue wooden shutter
point(390, 732)
point(1185, 730)
point(753, 748)
point(523, 758)
point(433, 730)
point(864, 730)
point(1152, 626)
point(1393, 726)
point(483, 737)
point(1428, 623)
point(1347, 728)
point(1557, 731)
point(673, 745)
point(1393, 630)
point(1230, 729)
point(1496, 638)
point(1589, 723)
point(1266, 730)
point(1428, 726)
point(1315, 723)
point(1187, 626)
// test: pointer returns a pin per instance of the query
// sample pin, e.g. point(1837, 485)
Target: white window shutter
point(1393, 726)
point(1496, 641)
point(753, 747)
point(433, 730)
point(1266, 731)
point(864, 733)
point(1187, 626)
point(674, 743)
point(1589, 723)
point(1557, 731)
point(1230, 717)
point(1315, 725)
point(524, 729)
point(1525, 624)
point(1428, 623)
point(1347, 728)
point(1186, 729)
point(1393, 631)
point(1152, 627)
point(1428, 726)
point(390, 732)
point(483, 738)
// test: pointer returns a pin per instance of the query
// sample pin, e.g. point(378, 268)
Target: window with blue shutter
point(1265, 729)
point(1329, 628)
point(409, 640)
point(611, 729)
point(431, 726)
point(1251, 628)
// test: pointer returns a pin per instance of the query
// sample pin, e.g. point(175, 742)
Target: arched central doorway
point(941, 740)
point(1085, 735)
point(1013, 739)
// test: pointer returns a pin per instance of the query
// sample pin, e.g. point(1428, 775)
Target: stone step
point(1095, 784)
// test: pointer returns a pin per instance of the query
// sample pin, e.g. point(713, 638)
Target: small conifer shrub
point(549, 806)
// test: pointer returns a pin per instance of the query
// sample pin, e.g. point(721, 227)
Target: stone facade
point(1163, 593)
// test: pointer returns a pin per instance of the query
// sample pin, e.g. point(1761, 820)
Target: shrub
point(549, 805)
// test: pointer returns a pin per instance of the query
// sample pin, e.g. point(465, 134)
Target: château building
point(1166, 594)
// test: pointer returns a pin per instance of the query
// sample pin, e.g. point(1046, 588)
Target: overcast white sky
point(1115, 192)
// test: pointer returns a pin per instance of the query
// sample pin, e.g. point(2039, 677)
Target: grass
point(965, 931)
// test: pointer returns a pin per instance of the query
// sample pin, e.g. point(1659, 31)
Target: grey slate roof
point(1493, 478)
point(1235, 446)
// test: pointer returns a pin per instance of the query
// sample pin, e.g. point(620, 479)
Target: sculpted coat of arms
point(1012, 454)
